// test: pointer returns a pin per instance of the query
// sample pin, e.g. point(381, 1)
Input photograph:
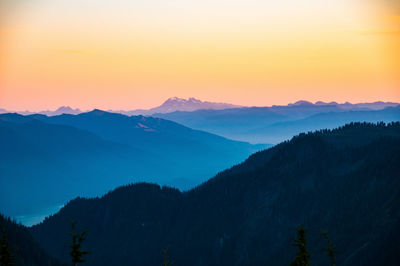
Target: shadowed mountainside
point(345, 181)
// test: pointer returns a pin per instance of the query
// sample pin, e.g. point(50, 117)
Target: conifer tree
point(5, 253)
point(76, 252)
point(331, 248)
point(166, 262)
point(303, 256)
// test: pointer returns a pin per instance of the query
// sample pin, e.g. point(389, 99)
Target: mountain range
point(192, 104)
point(278, 123)
point(378, 105)
point(58, 111)
point(345, 181)
point(47, 160)
point(170, 105)
point(89, 153)
point(260, 124)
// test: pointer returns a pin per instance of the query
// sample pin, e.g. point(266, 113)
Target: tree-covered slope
point(22, 247)
point(345, 181)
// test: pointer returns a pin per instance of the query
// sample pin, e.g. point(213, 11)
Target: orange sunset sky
point(124, 54)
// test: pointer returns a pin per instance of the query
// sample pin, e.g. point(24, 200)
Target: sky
point(129, 54)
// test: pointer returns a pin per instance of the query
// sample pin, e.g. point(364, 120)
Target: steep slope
point(23, 247)
point(279, 123)
point(345, 181)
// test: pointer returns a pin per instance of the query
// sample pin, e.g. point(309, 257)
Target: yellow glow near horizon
point(134, 54)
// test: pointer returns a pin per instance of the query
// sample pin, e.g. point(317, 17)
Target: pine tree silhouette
point(303, 256)
point(331, 248)
point(76, 252)
point(5, 253)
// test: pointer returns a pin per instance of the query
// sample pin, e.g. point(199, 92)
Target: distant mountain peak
point(194, 100)
point(174, 99)
point(62, 110)
point(301, 102)
point(97, 112)
point(174, 104)
point(324, 103)
point(177, 100)
point(191, 104)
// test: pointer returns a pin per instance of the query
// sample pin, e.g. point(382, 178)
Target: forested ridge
point(22, 248)
point(344, 181)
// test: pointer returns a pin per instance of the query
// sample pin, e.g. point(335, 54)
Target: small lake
point(37, 217)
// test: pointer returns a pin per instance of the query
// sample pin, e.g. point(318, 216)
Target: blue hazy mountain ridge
point(286, 129)
point(44, 165)
point(45, 161)
point(278, 123)
point(345, 181)
point(157, 135)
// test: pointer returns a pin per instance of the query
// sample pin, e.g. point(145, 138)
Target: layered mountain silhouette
point(58, 111)
point(348, 106)
point(192, 104)
point(345, 181)
point(279, 123)
point(45, 160)
point(175, 104)
point(170, 105)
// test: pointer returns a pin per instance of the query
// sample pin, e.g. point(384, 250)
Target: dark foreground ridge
point(22, 247)
point(345, 181)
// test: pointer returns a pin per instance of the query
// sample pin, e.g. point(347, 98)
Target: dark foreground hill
point(345, 181)
point(23, 248)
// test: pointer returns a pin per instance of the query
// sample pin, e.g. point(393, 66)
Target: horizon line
point(203, 101)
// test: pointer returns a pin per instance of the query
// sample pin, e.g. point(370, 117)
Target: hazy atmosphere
point(135, 54)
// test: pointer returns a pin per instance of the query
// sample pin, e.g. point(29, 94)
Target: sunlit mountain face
point(134, 54)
